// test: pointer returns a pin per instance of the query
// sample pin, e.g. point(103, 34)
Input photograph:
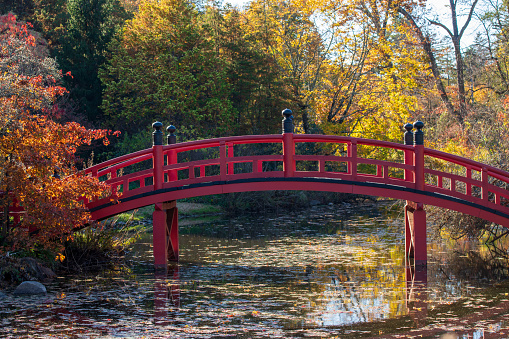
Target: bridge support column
point(165, 233)
point(416, 253)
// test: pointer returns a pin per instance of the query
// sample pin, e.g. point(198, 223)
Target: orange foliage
point(37, 155)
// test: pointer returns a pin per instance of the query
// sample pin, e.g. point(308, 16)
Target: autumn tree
point(296, 45)
point(455, 34)
point(37, 155)
point(373, 73)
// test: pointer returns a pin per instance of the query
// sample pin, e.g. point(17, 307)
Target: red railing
point(411, 167)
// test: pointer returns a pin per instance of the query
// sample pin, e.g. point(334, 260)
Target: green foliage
point(99, 246)
point(90, 26)
point(258, 90)
point(164, 67)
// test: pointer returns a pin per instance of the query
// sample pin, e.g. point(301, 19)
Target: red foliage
point(33, 148)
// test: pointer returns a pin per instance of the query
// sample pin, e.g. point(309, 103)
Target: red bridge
point(165, 173)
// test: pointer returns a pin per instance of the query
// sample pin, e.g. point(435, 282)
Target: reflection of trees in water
point(319, 220)
point(473, 264)
point(463, 230)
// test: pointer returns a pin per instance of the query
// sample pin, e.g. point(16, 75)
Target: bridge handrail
point(122, 161)
point(236, 140)
point(459, 160)
point(343, 139)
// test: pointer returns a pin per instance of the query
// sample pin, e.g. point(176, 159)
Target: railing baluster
point(484, 186)
point(352, 154)
point(222, 160)
point(230, 155)
point(321, 165)
point(419, 156)
point(288, 144)
point(469, 185)
point(113, 175)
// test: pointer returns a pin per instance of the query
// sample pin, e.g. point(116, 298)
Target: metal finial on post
point(171, 137)
point(419, 134)
point(409, 135)
point(158, 133)
point(287, 121)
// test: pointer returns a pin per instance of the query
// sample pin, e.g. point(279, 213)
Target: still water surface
point(331, 271)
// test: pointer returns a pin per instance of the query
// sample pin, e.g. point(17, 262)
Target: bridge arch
point(414, 173)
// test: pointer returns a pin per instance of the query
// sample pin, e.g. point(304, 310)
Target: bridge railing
point(471, 180)
point(414, 167)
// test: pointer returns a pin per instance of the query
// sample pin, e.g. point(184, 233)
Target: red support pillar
point(415, 234)
point(409, 248)
point(159, 237)
point(172, 232)
point(165, 233)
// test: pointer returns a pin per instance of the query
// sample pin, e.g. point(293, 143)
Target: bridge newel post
point(172, 154)
point(288, 144)
point(157, 155)
point(419, 155)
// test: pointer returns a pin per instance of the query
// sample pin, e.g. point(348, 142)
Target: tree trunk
point(305, 121)
point(426, 45)
point(461, 79)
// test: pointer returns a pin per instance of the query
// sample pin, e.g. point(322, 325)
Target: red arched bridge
point(164, 173)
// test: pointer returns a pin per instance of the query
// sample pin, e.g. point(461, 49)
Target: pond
point(333, 271)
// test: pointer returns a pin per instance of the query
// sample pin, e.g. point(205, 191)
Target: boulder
point(30, 288)
point(2, 295)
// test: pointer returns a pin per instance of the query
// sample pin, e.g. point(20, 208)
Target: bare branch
point(468, 20)
point(436, 23)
